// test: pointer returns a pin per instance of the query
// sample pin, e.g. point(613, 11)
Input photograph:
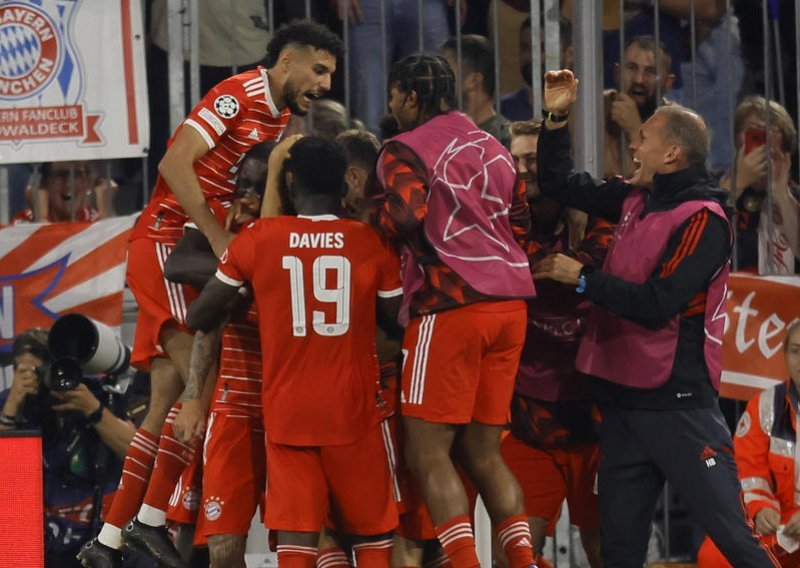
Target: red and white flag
point(48, 270)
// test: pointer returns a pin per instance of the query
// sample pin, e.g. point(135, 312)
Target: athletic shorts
point(184, 503)
point(234, 473)
point(547, 477)
point(461, 364)
point(160, 302)
point(353, 482)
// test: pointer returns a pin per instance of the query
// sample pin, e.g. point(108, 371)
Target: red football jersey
point(238, 391)
point(233, 117)
point(315, 281)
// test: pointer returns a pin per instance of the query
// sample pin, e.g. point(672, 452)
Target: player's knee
point(226, 551)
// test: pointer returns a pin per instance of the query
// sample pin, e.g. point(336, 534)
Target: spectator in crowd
point(767, 243)
point(401, 21)
point(653, 340)
point(634, 100)
point(464, 290)
point(68, 191)
point(475, 74)
point(194, 179)
point(85, 434)
point(767, 466)
point(718, 75)
point(519, 105)
point(552, 449)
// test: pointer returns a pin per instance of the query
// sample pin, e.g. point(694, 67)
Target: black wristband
point(7, 420)
point(96, 416)
point(554, 117)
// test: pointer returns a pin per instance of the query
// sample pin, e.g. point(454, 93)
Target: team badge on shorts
point(226, 106)
point(213, 508)
point(190, 500)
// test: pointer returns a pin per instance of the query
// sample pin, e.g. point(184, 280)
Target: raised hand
point(560, 90)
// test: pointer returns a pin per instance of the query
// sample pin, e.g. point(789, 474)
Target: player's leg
point(227, 550)
point(363, 493)
point(298, 502)
point(440, 378)
point(502, 325)
point(543, 486)
point(584, 510)
point(695, 453)
point(147, 531)
point(234, 481)
point(332, 552)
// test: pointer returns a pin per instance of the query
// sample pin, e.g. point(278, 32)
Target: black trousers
point(692, 449)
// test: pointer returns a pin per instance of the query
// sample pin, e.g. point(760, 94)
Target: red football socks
point(135, 475)
point(374, 554)
point(458, 542)
point(173, 457)
point(291, 556)
point(514, 535)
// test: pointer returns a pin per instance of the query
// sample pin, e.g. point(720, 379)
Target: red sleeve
point(220, 111)
point(404, 203)
point(751, 449)
point(389, 283)
point(238, 261)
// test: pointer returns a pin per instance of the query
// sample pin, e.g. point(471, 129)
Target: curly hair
point(304, 32)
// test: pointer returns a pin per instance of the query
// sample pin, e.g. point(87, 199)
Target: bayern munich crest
point(36, 53)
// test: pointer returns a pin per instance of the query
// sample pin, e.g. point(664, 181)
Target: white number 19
point(339, 295)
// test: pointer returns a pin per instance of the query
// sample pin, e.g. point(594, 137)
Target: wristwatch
point(96, 416)
point(585, 271)
point(554, 117)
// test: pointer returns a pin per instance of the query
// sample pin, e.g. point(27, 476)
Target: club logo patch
point(191, 500)
point(226, 106)
point(213, 508)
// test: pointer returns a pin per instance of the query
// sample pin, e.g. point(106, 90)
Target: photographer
point(78, 470)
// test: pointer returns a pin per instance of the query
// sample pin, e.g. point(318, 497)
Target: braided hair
point(430, 77)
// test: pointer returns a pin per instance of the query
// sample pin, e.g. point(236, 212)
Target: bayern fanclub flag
point(48, 270)
point(72, 80)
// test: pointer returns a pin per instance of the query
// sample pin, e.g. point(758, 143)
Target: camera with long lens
point(80, 345)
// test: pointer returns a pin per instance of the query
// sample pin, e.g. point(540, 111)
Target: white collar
point(326, 217)
point(268, 95)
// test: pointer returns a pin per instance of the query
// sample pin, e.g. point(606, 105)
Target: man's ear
point(472, 81)
point(673, 154)
point(412, 100)
point(285, 58)
point(351, 177)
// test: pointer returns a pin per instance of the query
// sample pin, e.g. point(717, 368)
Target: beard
point(290, 95)
point(648, 108)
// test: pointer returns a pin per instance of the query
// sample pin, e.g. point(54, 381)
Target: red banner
point(47, 271)
point(759, 310)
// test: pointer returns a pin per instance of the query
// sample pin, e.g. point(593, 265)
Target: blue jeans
point(368, 71)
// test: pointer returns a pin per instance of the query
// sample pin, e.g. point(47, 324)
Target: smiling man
point(639, 78)
point(653, 340)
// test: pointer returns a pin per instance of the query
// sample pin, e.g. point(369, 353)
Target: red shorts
point(234, 473)
point(354, 483)
point(160, 301)
point(547, 477)
point(184, 503)
point(461, 364)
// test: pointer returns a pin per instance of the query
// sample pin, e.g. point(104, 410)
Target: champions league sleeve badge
point(226, 106)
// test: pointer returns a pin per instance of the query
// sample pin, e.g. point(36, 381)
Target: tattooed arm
point(190, 422)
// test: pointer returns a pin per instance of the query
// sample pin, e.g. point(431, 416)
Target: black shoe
point(95, 554)
point(152, 541)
